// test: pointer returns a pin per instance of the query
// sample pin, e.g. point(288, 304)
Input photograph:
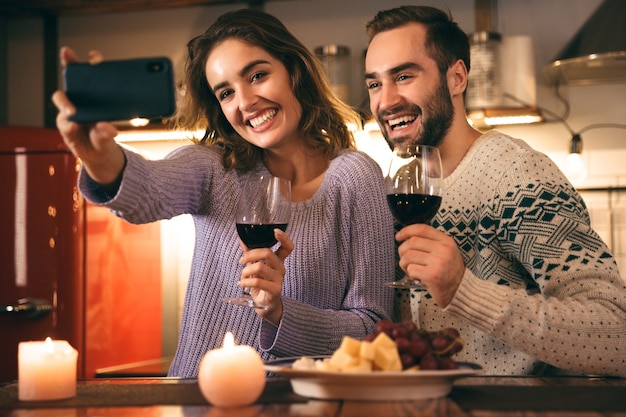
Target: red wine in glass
point(413, 208)
point(259, 235)
point(414, 185)
point(264, 205)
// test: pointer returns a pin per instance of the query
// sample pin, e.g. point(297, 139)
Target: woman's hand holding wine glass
point(414, 190)
point(263, 207)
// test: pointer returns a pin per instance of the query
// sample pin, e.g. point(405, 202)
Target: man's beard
point(439, 113)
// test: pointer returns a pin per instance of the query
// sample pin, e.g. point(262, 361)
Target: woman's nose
point(247, 99)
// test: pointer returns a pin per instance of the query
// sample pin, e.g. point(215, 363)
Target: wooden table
point(476, 396)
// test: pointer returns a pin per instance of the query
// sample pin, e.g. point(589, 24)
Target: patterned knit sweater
point(541, 290)
point(333, 286)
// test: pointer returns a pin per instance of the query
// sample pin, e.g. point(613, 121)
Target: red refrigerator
point(42, 240)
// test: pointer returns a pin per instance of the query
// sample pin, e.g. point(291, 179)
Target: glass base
point(245, 302)
point(413, 284)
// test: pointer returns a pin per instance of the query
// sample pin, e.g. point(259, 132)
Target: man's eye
point(372, 85)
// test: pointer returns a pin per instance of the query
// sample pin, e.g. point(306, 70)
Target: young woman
point(266, 106)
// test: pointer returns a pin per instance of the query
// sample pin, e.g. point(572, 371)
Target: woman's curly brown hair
point(324, 116)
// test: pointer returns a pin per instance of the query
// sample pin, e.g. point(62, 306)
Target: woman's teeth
point(258, 121)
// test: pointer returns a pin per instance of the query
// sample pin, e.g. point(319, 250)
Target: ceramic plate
point(370, 386)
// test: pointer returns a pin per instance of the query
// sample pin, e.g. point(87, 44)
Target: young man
point(510, 260)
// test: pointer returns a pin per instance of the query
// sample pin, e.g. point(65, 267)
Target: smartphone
point(120, 90)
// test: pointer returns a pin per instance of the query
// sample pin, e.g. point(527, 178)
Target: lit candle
point(46, 370)
point(232, 376)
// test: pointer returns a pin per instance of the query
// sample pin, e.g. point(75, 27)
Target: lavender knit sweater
point(344, 251)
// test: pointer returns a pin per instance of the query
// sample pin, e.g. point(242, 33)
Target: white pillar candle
point(232, 376)
point(46, 370)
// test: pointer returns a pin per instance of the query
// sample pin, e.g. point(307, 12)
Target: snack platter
point(370, 386)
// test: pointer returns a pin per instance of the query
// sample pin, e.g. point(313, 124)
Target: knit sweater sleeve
point(155, 190)
point(364, 248)
point(557, 294)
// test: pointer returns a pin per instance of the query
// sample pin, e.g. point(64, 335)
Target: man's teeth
point(400, 121)
point(258, 121)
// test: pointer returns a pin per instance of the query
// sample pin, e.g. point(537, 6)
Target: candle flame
point(229, 340)
point(48, 346)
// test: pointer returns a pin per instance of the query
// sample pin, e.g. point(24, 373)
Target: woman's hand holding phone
point(94, 143)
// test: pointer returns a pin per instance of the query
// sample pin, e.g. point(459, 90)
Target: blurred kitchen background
point(130, 287)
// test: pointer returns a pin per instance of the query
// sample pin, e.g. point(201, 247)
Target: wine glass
point(264, 205)
point(414, 190)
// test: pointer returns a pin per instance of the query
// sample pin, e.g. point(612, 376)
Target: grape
point(407, 360)
point(455, 347)
point(448, 363)
point(439, 342)
point(410, 326)
point(418, 347)
point(427, 349)
point(399, 331)
point(384, 326)
point(403, 344)
point(429, 362)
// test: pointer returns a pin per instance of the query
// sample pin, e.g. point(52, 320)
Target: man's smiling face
point(408, 97)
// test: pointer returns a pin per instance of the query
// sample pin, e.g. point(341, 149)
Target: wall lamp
point(145, 130)
point(574, 160)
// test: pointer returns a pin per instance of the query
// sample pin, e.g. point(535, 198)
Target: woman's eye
point(224, 95)
point(257, 76)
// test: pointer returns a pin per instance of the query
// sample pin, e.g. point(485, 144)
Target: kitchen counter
point(475, 396)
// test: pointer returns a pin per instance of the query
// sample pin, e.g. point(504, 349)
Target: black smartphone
point(120, 90)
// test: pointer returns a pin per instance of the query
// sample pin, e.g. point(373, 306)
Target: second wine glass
point(414, 185)
point(264, 205)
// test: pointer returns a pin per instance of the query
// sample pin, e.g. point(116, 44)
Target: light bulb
point(576, 167)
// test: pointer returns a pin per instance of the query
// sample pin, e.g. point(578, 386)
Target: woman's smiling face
point(255, 93)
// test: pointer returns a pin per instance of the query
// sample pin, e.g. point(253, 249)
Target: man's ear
point(457, 78)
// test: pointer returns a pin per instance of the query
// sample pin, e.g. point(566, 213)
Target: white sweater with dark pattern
point(541, 289)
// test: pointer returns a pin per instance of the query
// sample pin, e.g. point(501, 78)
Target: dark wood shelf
point(26, 8)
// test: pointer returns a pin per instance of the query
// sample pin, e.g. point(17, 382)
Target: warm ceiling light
point(485, 118)
point(156, 135)
point(139, 122)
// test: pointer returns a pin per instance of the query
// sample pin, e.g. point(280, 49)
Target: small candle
point(46, 370)
point(232, 376)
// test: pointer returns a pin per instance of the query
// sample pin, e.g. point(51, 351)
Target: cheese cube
point(386, 357)
point(367, 351)
point(342, 359)
point(325, 365)
point(350, 345)
point(384, 341)
point(387, 360)
point(363, 365)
